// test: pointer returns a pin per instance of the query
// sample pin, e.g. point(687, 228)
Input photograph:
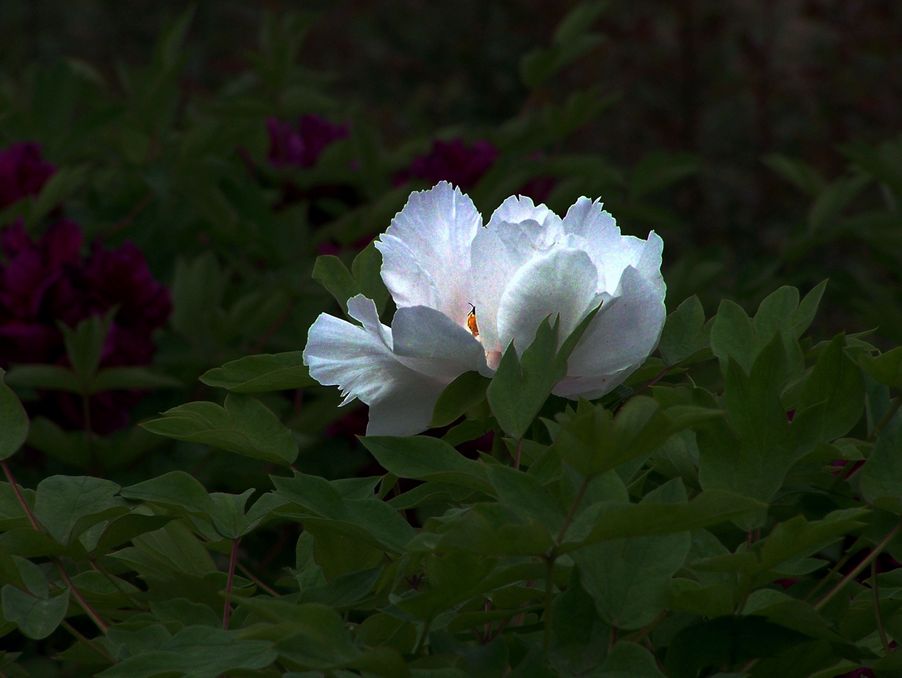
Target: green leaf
point(885, 368)
point(330, 272)
point(465, 392)
point(521, 386)
point(244, 426)
point(592, 441)
point(65, 182)
point(260, 373)
point(84, 346)
point(425, 458)
point(13, 421)
point(197, 652)
point(796, 172)
point(175, 489)
point(629, 578)
point(630, 660)
point(684, 333)
point(615, 520)
point(881, 476)
point(833, 199)
point(524, 493)
point(804, 314)
point(658, 170)
point(831, 399)
point(733, 335)
point(229, 517)
point(320, 503)
point(45, 377)
point(366, 268)
point(66, 505)
point(36, 617)
point(130, 378)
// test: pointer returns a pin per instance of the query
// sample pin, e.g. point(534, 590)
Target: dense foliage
point(180, 498)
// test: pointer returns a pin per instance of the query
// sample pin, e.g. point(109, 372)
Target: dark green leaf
point(425, 458)
point(685, 333)
point(330, 272)
point(130, 378)
point(36, 617)
point(45, 377)
point(467, 391)
point(13, 421)
point(244, 426)
point(65, 505)
point(260, 373)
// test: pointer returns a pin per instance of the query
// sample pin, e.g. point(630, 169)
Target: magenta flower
point(48, 280)
point(301, 143)
point(455, 161)
point(23, 172)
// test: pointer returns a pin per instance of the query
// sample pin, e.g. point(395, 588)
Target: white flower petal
point(624, 332)
point(519, 208)
point(591, 387)
point(562, 282)
point(360, 362)
point(610, 251)
point(431, 343)
point(426, 251)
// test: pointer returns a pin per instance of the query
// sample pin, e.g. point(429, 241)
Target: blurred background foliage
point(232, 144)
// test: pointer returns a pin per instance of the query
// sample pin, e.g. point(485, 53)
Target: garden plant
point(284, 395)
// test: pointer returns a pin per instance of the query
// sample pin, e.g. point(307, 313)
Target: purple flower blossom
point(455, 161)
point(300, 144)
point(48, 280)
point(23, 172)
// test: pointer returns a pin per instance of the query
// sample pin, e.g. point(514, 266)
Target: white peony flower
point(464, 292)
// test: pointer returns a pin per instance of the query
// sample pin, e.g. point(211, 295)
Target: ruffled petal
point(561, 282)
point(431, 343)
point(426, 251)
point(610, 251)
point(624, 332)
point(359, 360)
point(520, 208)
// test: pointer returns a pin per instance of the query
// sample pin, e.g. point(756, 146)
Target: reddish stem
point(227, 607)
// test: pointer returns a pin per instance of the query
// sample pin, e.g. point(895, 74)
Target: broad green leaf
point(629, 578)
point(615, 520)
point(244, 426)
point(523, 493)
point(495, 529)
point(314, 635)
point(885, 368)
point(130, 378)
point(630, 660)
point(330, 272)
point(170, 554)
point(881, 476)
point(657, 170)
point(579, 636)
point(425, 458)
point(66, 505)
point(685, 332)
point(319, 502)
point(804, 314)
point(197, 652)
point(260, 373)
point(522, 385)
point(733, 335)
point(44, 377)
point(831, 399)
point(592, 441)
point(13, 421)
point(465, 392)
point(833, 200)
point(36, 617)
point(229, 517)
point(175, 489)
point(366, 268)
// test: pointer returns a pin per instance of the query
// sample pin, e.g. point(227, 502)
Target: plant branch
point(858, 568)
point(227, 606)
point(878, 617)
point(90, 611)
point(21, 499)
